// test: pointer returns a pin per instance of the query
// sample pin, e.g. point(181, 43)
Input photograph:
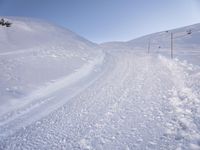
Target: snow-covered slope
point(34, 55)
point(63, 92)
point(29, 33)
point(186, 43)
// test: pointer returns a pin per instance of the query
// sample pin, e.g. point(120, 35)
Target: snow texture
point(60, 91)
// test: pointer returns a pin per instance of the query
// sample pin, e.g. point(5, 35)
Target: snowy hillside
point(185, 43)
point(29, 33)
point(60, 91)
point(35, 54)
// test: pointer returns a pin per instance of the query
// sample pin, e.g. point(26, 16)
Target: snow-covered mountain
point(35, 54)
point(186, 43)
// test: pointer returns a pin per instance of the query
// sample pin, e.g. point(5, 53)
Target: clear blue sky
point(108, 20)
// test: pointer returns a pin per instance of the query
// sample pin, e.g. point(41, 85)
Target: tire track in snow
point(79, 113)
point(111, 131)
point(126, 108)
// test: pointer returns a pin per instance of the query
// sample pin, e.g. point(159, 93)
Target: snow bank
point(185, 99)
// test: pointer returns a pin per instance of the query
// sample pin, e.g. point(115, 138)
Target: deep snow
point(60, 91)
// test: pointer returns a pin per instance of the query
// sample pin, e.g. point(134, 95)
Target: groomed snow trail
point(129, 106)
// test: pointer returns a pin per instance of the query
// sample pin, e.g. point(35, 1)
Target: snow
point(185, 102)
point(68, 93)
point(28, 70)
point(186, 46)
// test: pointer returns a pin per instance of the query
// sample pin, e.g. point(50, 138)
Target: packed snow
point(60, 91)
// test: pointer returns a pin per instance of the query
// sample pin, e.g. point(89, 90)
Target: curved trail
point(127, 107)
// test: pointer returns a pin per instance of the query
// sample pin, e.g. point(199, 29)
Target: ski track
point(47, 99)
point(131, 105)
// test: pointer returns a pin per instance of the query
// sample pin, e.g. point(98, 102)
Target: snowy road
point(129, 106)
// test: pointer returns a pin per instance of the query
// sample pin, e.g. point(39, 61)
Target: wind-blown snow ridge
point(43, 92)
point(49, 100)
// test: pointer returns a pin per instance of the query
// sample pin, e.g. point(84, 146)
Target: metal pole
point(149, 46)
point(171, 45)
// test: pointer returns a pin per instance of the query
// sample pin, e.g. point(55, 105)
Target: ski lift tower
point(172, 41)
